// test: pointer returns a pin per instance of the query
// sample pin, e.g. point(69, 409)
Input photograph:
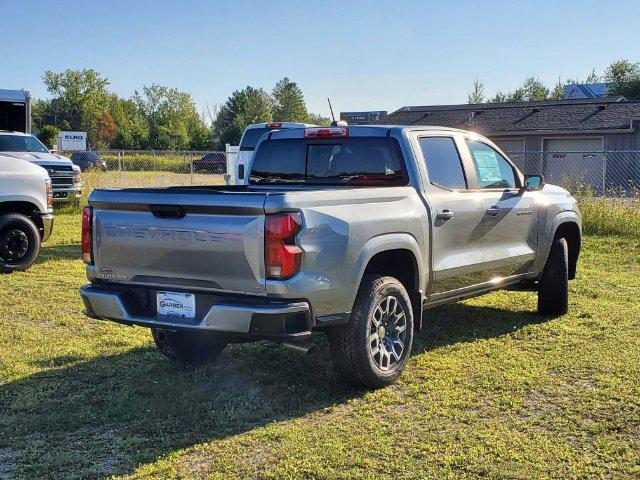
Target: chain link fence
point(587, 173)
point(613, 173)
point(149, 168)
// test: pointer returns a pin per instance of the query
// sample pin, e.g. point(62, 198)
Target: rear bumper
point(47, 226)
point(255, 320)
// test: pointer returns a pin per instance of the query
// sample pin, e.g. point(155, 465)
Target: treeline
point(158, 117)
point(622, 76)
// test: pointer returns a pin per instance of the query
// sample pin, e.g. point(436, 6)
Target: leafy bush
point(146, 162)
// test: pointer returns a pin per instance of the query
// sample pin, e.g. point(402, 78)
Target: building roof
point(558, 116)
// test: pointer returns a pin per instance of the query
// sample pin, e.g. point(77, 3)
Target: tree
point(242, 108)
point(172, 117)
point(288, 102)
point(477, 94)
point(81, 96)
point(531, 90)
point(48, 135)
point(623, 78)
point(132, 129)
point(107, 129)
point(515, 96)
point(534, 90)
point(319, 119)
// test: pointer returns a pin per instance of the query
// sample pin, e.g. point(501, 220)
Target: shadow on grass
point(111, 413)
point(70, 251)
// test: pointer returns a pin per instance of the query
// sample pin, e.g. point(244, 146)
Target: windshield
point(352, 161)
point(21, 143)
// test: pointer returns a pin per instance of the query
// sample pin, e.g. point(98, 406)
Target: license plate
point(175, 304)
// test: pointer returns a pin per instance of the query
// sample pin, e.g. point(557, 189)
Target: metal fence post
point(120, 169)
point(604, 175)
point(191, 166)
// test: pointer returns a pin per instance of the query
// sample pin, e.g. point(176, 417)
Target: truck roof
point(14, 132)
point(14, 95)
point(363, 130)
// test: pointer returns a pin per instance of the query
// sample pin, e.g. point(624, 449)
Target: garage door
point(512, 147)
point(574, 161)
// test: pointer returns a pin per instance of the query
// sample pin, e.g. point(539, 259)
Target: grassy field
point(491, 391)
point(138, 179)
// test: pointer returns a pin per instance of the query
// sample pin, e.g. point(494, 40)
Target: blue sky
point(365, 55)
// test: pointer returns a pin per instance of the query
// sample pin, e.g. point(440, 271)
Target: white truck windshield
point(21, 143)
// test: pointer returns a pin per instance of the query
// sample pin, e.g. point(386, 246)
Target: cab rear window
point(351, 161)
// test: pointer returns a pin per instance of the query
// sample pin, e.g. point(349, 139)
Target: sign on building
point(585, 90)
point(362, 118)
point(72, 141)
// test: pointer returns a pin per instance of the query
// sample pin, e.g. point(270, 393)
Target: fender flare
point(544, 245)
point(387, 242)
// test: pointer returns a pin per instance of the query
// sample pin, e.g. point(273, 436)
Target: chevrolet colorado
point(353, 231)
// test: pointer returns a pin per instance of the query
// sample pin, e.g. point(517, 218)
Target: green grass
point(136, 179)
point(611, 216)
point(492, 390)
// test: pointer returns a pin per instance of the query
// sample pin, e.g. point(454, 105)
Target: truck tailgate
point(209, 239)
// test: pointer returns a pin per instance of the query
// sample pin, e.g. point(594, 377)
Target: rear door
point(457, 217)
point(509, 236)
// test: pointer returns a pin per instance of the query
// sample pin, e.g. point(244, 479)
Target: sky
point(369, 55)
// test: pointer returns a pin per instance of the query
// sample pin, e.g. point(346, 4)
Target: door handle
point(445, 215)
point(493, 211)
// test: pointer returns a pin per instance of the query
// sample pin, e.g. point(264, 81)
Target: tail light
point(282, 255)
point(87, 235)
point(274, 125)
point(326, 132)
point(49, 190)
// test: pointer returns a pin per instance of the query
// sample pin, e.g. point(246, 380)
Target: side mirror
point(533, 182)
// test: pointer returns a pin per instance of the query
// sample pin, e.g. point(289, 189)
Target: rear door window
point(443, 162)
point(356, 160)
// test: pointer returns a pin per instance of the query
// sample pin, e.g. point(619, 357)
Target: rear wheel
point(19, 242)
point(187, 347)
point(373, 348)
point(553, 288)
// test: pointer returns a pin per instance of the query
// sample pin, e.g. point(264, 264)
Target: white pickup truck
point(65, 176)
point(26, 218)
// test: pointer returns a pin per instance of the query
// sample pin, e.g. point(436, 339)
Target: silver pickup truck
point(353, 231)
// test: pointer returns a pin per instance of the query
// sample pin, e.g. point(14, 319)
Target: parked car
point(65, 176)
point(88, 161)
point(352, 231)
point(26, 212)
point(215, 162)
point(249, 140)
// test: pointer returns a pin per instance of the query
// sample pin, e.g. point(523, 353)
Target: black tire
point(187, 347)
point(352, 347)
point(553, 288)
point(19, 242)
